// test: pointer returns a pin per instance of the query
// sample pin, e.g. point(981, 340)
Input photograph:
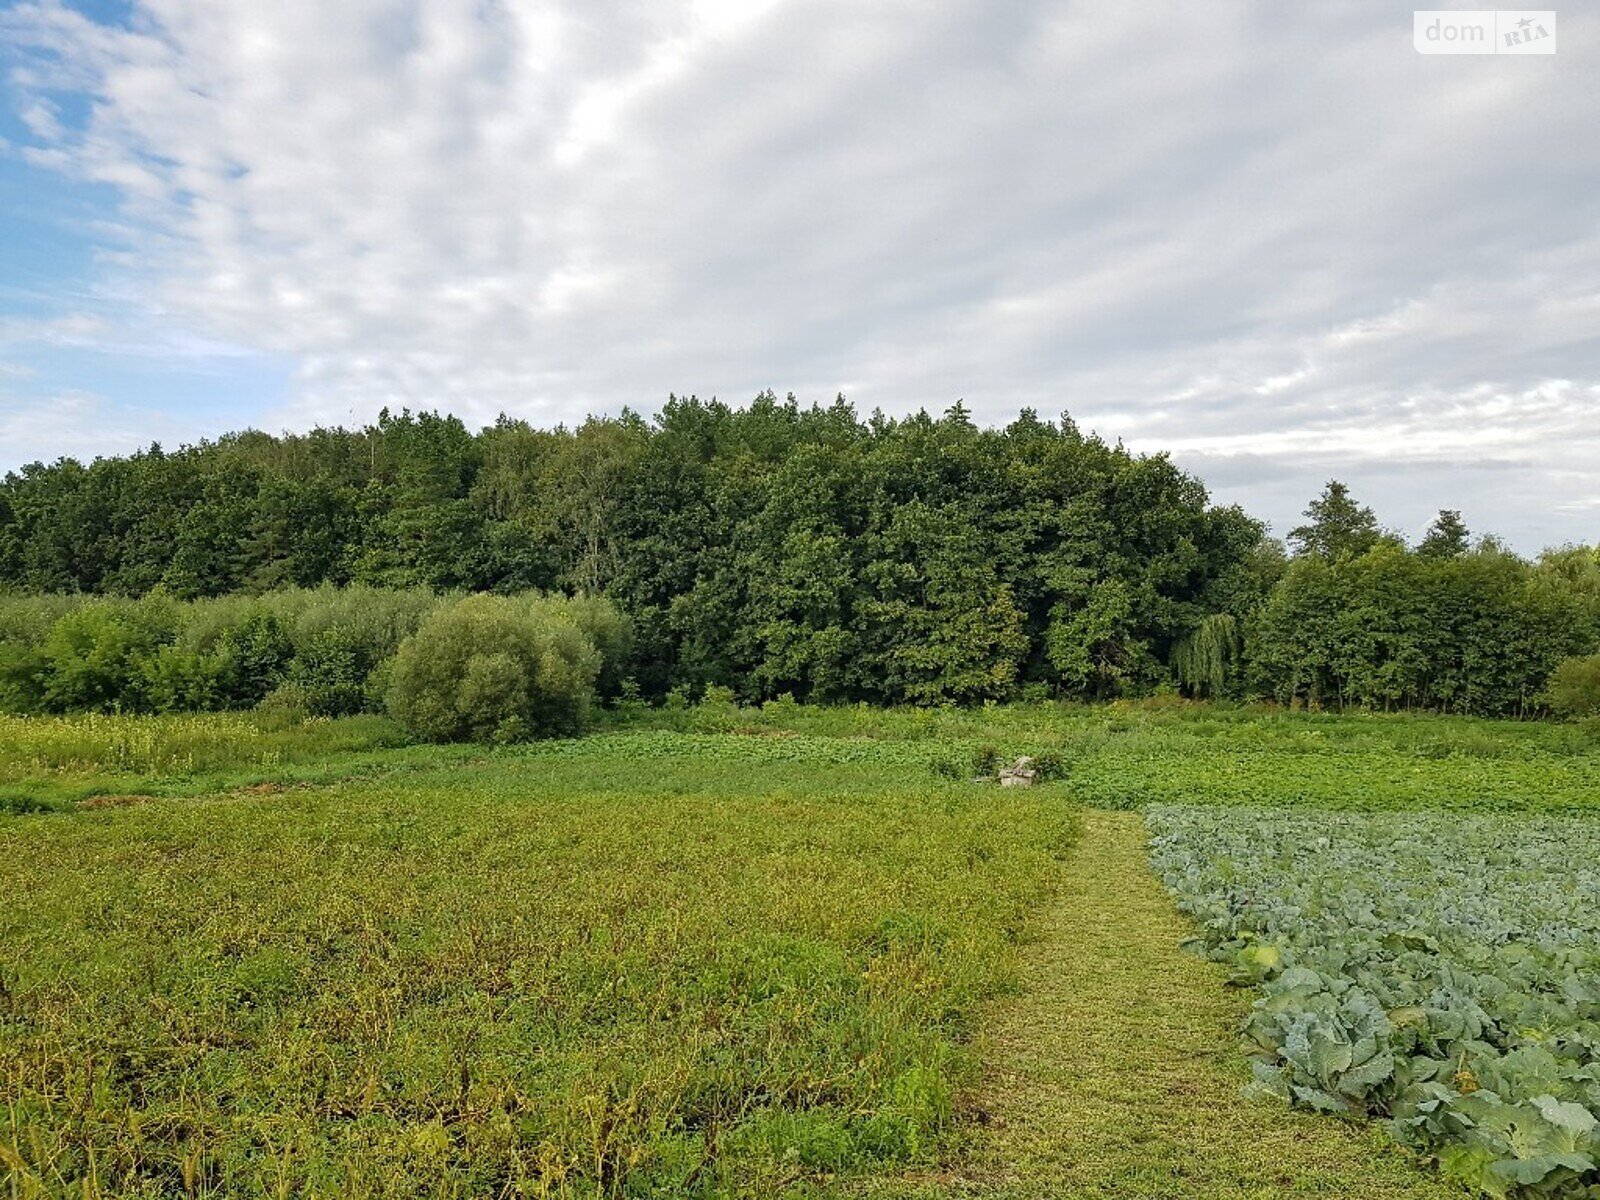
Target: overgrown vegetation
point(1574, 689)
point(51, 763)
point(448, 668)
point(320, 650)
point(1442, 972)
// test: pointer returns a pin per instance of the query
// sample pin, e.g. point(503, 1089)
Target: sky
point(1271, 239)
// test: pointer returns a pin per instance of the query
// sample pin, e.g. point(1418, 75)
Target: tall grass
point(97, 744)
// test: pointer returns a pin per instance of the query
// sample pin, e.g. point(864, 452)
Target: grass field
point(708, 952)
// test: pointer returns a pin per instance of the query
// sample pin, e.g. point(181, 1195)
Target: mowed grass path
point(1116, 1072)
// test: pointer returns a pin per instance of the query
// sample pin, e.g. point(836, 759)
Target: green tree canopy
point(1447, 537)
point(1336, 526)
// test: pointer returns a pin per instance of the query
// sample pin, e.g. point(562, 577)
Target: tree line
point(1358, 618)
point(785, 549)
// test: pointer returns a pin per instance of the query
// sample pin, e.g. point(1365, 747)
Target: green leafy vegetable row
point(1441, 971)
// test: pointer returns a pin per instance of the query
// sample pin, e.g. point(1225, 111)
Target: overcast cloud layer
point(1270, 238)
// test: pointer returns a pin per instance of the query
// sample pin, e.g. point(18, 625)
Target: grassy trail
point(1116, 1073)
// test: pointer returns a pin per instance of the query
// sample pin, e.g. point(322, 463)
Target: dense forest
point(774, 549)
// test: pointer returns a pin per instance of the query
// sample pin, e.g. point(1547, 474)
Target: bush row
point(447, 667)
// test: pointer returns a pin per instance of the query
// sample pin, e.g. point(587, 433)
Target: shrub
point(98, 657)
point(252, 657)
point(719, 697)
point(23, 668)
point(604, 625)
point(285, 707)
point(376, 619)
point(177, 680)
point(207, 622)
point(27, 620)
point(985, 760)
point(629, 700)
point(1574, 688)
point(331, 671)
point(488, 668)
point(1050, 765)
point(24, 623)
point(342, 637)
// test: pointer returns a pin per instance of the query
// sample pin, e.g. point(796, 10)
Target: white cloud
point(1274, 239)
point(77, 424)
point(72, 329)
point(139, 335)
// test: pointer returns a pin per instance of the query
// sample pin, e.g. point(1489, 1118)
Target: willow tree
point(1205, 659)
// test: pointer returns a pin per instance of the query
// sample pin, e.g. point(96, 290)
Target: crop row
point(1439, 970)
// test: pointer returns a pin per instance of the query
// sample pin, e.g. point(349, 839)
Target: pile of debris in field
point(1021, 773)
point(985, 766)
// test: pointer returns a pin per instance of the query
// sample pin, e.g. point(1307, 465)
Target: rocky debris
point(1021, 773)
